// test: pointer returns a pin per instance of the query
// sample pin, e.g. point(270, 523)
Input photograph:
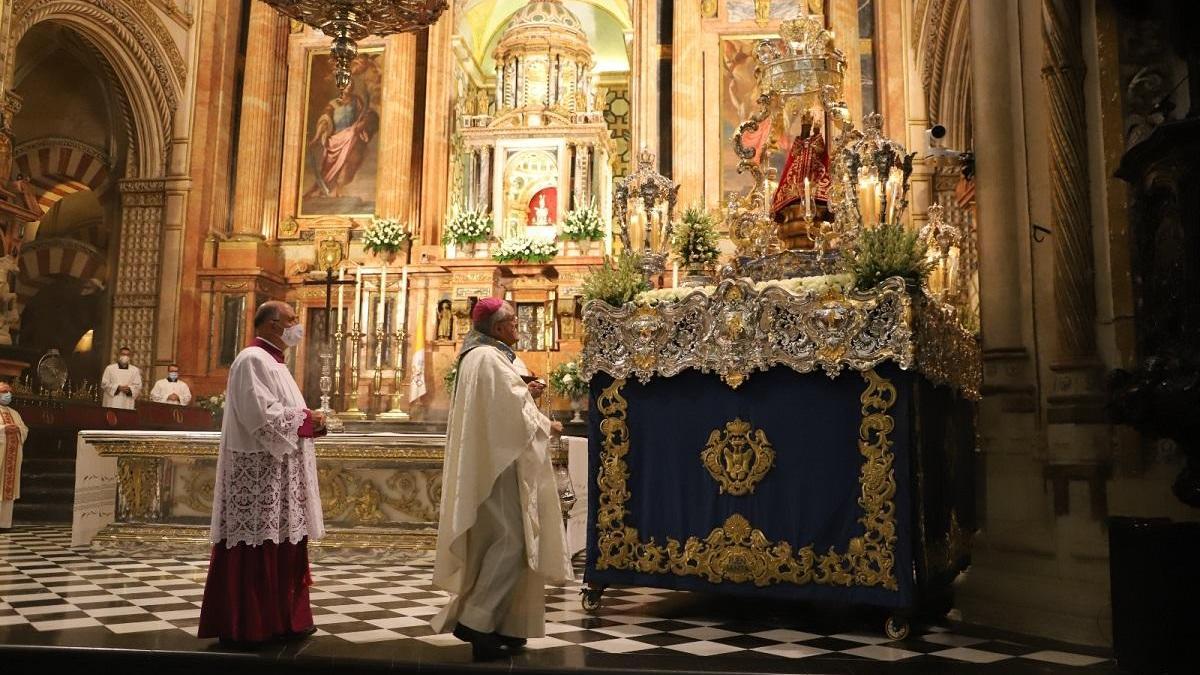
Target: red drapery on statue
point(257, 593)
point(809, 159)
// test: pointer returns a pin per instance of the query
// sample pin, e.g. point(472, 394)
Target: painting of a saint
point(739, 94)
point(341, 147)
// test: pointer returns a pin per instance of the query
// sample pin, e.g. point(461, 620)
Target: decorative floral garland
point(797, 285)
point(522, 248)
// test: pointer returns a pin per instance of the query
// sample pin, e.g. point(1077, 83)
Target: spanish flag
point(416, 378)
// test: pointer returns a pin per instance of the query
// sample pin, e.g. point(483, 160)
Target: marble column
point(644, 78)
point(485, 177)
point(843, 20)
point(687, 103)
point(439, 124)
point(395, 198)
point(135, 297)
point(997, 175)
point(259, 129)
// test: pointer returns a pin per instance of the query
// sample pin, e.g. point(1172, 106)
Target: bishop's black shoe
point(484, 646)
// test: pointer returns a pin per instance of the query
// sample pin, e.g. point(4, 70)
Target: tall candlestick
point(358, 296)
point(341, 296)
point(402, 299)
point(382, 296)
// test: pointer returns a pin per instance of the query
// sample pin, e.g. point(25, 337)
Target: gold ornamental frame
point(736, 551)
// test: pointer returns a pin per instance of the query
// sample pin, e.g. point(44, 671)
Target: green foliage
point(695, 239)
point(889, 250)
point(450, 377)
point(616, 282)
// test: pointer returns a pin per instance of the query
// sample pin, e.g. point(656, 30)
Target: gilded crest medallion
point(738, 457)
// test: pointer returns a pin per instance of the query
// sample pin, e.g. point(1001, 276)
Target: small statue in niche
point(445, 321)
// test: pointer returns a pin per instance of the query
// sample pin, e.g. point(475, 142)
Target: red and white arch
point(59, 167)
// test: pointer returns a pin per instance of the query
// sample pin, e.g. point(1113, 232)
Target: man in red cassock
point(266, 505)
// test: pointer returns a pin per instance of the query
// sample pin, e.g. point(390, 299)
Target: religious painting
point(340, 156)
point(764, 11)
point(738, 96)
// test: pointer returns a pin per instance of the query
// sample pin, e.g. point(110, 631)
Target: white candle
point(402, 298)
point(341, 296)
point(675, 274)
point(382, 297)
point(807, 201)
point(358, 303)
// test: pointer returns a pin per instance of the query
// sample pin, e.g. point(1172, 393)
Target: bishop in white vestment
point(121, 382)
point(13, 433)
point(266, 505)
point(500, 535)
point(171, 389)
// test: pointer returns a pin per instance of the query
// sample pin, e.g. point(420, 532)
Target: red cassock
point(257, 593)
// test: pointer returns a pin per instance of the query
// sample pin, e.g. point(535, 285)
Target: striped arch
point(40, 262)
point(60, 167)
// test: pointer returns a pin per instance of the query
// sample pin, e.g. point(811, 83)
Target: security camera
point(936, 135)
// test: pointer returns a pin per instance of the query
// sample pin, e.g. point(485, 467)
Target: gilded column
point(687, 103)
point(439, 124)
point(136, 295)
point(259, 129)
point(10, 105)
point(396, 198)
point(1070, 206)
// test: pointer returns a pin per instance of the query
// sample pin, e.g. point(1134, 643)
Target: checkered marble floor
point(49, 586)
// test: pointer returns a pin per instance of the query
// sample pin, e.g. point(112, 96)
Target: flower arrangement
point(583, 225)
point(385, 236)
point(616, 282)
point(523, 249)
point(888, 250)
point(468, 227)
point(797, 286)
point(566, 380)
point(215, 405)
point(695, 239)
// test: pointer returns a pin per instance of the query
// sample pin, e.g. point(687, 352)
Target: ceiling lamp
point(348, 21)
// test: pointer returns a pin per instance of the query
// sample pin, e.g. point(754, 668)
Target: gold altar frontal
point(380, 492)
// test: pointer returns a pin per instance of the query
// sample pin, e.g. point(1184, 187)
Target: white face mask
point(123, 360)
point(6, 398)
point(173, 376)
point(292, 335)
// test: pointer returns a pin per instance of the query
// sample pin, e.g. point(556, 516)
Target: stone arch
point(57, 167)
point(131, 44)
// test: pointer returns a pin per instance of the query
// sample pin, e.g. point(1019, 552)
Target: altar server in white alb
point(13, 433)
point(266, 505)
point(500, 536)
point(171, 389)
point(121, 382)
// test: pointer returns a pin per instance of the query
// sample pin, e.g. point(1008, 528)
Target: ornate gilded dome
point(546, 26)
point(543, 59)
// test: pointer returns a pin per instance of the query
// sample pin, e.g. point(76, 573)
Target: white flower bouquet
point(385, 235)
point(468, 227)
point(523, 249)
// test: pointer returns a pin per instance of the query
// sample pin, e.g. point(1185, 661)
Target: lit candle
point(382, 297)
point(341, 296)
point(875, 207)
point(675, 274)
point(807, 201)
point(358, 313)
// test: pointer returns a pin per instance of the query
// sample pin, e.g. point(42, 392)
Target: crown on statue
point(803, 61)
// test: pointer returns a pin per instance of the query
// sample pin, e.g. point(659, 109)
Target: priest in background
point(121, 382)
point(265, 503)
point(500, 535)
point(170, 389)
point(13, 433)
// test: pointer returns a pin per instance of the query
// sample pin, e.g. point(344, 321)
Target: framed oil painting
point(738, 97)
point(340, 153)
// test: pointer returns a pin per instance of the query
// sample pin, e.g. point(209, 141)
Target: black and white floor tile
point(45, 585)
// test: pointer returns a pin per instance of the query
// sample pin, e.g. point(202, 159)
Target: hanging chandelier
point(348, 21)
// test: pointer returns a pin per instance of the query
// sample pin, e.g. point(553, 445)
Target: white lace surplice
point(266, 487)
